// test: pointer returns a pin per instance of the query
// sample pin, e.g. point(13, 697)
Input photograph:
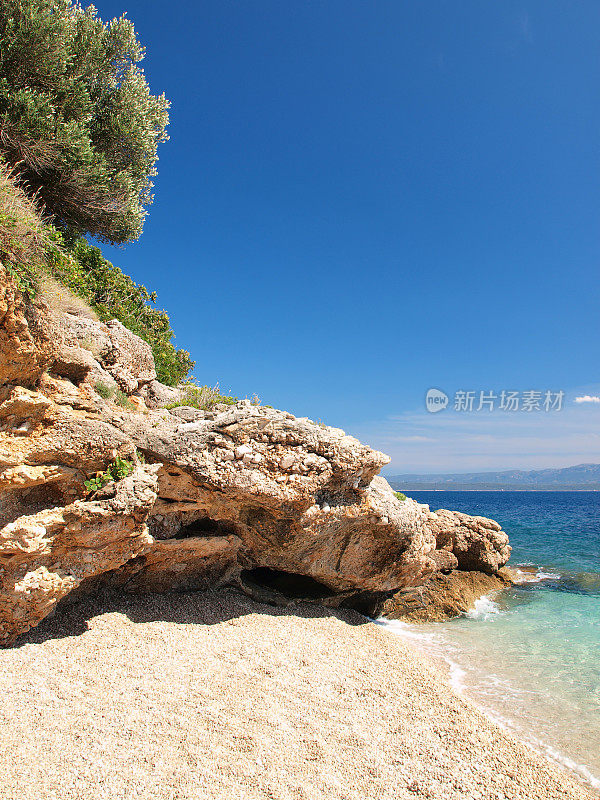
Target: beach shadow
point(212, 607)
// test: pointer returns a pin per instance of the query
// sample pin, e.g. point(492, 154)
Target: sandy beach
point(173, 697)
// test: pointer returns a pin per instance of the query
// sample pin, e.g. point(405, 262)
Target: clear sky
point(363, 200)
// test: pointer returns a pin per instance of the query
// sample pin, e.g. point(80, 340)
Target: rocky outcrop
point(45, 555)
point(476, 542)
point(26, 345)
point(302, 498)
point(243, 495)
point(156, 395)
point(442, 596)
point(106, 353)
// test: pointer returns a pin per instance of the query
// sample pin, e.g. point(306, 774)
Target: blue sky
point(362, 200)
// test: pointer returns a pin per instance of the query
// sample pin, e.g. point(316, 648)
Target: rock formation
point(443, 595)
point(244, 495)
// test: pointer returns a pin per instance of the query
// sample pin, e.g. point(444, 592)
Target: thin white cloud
point(588, 398)
point(453, 441)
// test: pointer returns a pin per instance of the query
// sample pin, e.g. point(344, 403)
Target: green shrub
point(24, 239)
point(114, 295)
point(77, 120)
point(114, 394)
point(202, 397)
point(106, 392)
point(35, 253)
point(121, 399)
point(79, 132)
point(400, 496)
point(119, 469)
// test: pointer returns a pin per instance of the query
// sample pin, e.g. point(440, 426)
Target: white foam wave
point(526, 576)
point(483, 609)
point(457, 675)
point(533, 742)
point(406, 630)
point(433, 644)
point(580, 769)
point(462, 679)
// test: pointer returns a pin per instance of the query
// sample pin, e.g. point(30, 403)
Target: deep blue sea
point(530, 655)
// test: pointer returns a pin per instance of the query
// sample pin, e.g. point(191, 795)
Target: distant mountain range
point(583, 476)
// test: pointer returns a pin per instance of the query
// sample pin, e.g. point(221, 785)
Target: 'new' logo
point(435, 400)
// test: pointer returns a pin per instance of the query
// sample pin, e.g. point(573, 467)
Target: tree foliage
point(77, 121)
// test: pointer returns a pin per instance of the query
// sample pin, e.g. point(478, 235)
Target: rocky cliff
point(242, 495)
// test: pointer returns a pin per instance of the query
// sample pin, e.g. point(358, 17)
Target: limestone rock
point(64, 392)
point(74, 363)
point(112, 347)
point(445, 561)
point(130, 361)
point(35, 430)
point(325, 517)
point(78, 365)
point(244, 495)
point(157, 395)
point(89, 334)
point(195, 563)
point(442, 596)
point(46, 555)
point(26, 348)
point(187, 413)
point(477, 542)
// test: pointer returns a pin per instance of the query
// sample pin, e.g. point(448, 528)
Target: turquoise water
point(530, 655)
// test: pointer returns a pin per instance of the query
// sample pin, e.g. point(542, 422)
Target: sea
point(530, 655)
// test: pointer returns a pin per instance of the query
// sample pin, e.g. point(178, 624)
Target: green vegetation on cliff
point(78, 124)
point(114, 295)
point(33, 250)
point(79, 132)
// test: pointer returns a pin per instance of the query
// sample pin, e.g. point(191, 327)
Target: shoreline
point(455, 672)
point(206, 695)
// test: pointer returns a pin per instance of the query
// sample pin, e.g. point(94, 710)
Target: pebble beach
point(189, 696)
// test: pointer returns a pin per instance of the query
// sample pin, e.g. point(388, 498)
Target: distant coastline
point(579, 478)
point(458, 488)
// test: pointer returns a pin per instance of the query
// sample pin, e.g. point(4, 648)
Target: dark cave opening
point(290, 584)
point(205, 526)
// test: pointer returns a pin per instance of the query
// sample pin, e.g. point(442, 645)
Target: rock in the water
point(477, 542)
point(443, 596)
